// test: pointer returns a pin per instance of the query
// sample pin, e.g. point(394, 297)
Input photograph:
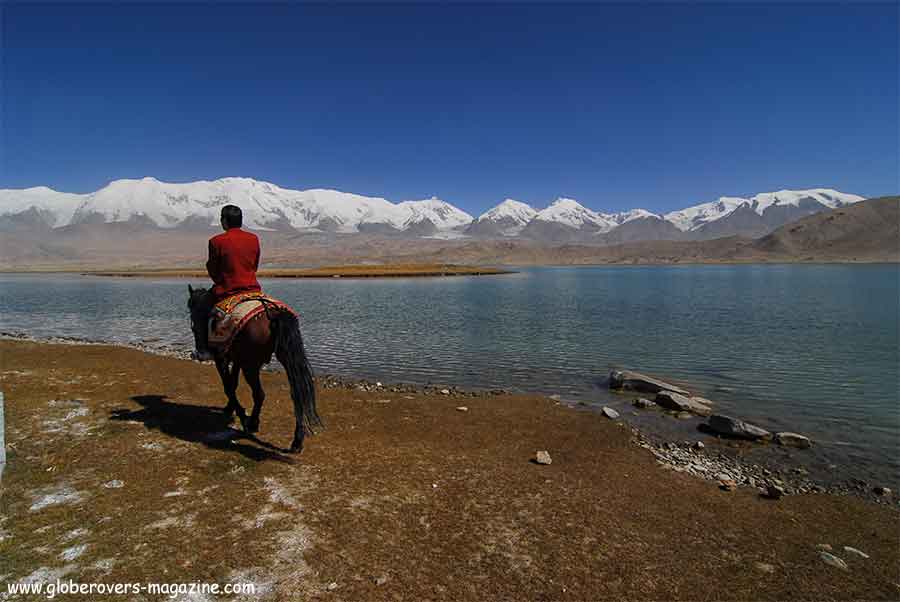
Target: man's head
point(232, 217)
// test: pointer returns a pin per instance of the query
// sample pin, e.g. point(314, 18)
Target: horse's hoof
point(296, 448)
point(252, 425)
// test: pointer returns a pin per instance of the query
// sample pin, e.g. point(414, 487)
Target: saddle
point(229, 316)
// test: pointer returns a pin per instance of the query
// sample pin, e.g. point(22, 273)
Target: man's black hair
point(232, 216)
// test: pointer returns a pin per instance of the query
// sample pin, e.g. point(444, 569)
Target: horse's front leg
point(251, 375)
point(230, 376)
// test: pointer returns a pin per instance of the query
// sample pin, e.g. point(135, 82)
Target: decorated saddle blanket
point(230, 315)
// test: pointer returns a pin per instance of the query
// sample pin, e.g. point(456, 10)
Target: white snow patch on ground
point(265, 515)
point(195, 596)
point(260, 579)
point(59, 494)
point(103, 565)
point(75, 534)
point(173, 521)
point(41, 575)
point(68, 423)
point(73, 552)
point(279, 495)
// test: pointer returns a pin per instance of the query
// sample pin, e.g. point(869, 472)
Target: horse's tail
point(290, 353)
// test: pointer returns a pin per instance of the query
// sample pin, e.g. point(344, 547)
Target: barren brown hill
point(865, 231)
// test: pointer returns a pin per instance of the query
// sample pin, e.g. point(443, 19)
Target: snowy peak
point(795, 198)
point(512, 210)
point(570, 212)
point(627, 216)
point(440, 213)
point(265, 206)
point(816, 199)
point(694, 217)
point(506, 219)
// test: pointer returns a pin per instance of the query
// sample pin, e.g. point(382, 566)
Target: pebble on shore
point(832, 560)
point(610, 413)
point(543, 457)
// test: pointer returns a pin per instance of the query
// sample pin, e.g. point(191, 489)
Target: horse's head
point(197, 306)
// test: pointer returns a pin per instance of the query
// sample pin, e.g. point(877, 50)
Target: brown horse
point(272, 331)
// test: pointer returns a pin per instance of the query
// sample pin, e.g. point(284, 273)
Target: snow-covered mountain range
point(265, 206)
point(270, 207)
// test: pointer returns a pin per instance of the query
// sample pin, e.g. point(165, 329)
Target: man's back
point(233, 261)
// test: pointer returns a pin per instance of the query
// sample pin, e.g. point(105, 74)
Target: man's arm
point(212, 264)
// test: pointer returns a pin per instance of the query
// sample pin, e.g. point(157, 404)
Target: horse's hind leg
point(251, 375)
point(230, 383)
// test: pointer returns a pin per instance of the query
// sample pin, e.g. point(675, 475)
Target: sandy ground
point(115, 474)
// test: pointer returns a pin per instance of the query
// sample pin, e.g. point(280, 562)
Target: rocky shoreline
point(690, 456)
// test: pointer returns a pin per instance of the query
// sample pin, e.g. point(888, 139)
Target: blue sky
point(653, 105)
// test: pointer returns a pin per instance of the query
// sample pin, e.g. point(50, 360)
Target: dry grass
point(402, 498)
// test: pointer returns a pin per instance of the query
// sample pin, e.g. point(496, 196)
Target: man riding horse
point(232, 264)
point(250, 328)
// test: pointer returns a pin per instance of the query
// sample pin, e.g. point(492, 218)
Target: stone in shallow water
point(610, 413)
point(682, 403)
point(732, 427)
point(792, 440)
point(642, 403)
point(635, 381)
point(543, 457)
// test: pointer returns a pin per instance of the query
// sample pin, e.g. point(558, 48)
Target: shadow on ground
point(198, 424)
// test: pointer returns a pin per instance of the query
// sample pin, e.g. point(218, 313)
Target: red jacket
point(233, 261)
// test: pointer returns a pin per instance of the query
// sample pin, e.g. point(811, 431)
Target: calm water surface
point(807, 348)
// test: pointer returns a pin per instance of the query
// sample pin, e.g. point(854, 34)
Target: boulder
point(642, 403)
point(543, 457)
point(635, 381)
point(682, 403)
point(732, 427)
point(792, 440)
point(610, 413)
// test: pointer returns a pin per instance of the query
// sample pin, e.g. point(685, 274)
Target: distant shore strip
point(351, 271)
